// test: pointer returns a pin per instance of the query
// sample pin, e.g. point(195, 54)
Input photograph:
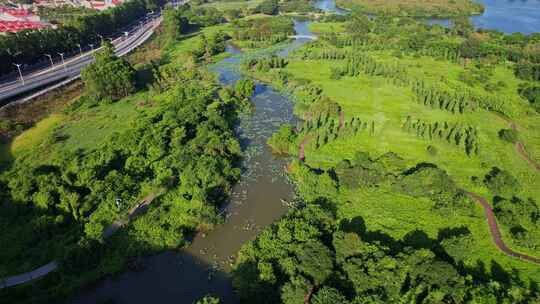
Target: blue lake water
point(507, 16)
point(329, 6)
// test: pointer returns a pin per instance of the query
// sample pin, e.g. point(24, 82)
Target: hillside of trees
point(264, 31)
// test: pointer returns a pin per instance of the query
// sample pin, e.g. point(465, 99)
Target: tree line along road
point(71, 69)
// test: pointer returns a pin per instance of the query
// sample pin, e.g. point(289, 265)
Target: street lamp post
point(50, 58)
point(80, 48)
point(20, 73)
point(63, 62)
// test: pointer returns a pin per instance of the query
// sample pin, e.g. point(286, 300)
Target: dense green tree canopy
point(108, 76)
point(324, 268)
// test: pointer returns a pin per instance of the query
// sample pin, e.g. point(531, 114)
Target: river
point(507, 16)
point(203, 268)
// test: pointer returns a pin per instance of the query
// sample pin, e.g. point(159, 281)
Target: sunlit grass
point(377, 99)
point(35, 135)
point(229, 5)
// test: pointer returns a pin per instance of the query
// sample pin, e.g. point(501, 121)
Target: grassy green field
point(397, 215)
point(236, 5)
point(84, 128)
point(375, 98)
point(34, 135)
point(327, 27)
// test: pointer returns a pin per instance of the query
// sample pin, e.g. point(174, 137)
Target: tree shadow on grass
point(418, 239)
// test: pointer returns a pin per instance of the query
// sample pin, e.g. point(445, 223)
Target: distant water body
point(507, 16)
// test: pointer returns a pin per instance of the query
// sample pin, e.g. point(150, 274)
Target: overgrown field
point(372, 89)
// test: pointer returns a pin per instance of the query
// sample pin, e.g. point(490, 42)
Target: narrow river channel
point(203, 268)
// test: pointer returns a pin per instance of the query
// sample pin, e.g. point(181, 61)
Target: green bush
point(282, 140)
point(244, 88)
point(501, 182)
point(268, 7)
point(108, 76)
point(532, 94)
point(208, 300)
point(508, 135)
point(431, 150)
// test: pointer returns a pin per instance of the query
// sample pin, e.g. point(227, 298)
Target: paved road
point(72, 68)
point(29, 276)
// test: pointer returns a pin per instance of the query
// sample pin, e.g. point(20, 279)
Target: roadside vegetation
point(63, 14)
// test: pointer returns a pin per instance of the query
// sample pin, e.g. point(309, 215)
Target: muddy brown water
point(256, 202)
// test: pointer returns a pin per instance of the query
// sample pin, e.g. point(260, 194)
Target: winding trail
point(341, 119)
point(52, 266)
point(488, 210)
point(519, 146)
point(307, 297)
point(496, 233)
point(520, 149)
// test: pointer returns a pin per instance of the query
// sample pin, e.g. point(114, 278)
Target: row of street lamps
point(63, 62)
point(62, 54)
point(18, 65)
